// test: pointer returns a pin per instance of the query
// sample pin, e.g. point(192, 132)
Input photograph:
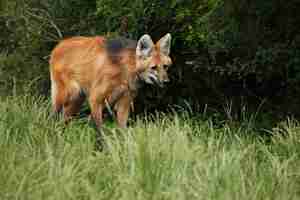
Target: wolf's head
point(153, 59)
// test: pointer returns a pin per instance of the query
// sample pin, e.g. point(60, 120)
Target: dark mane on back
point(115, 46)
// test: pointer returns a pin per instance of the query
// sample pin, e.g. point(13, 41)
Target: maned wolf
point(105, 71)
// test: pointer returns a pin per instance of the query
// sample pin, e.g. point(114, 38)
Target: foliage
point(30, 30)
point(257, 38)
point(221, 49)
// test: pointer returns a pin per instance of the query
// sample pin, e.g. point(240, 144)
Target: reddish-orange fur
point(84, 65)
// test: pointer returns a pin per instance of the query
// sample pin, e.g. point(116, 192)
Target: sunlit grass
point(173, 156)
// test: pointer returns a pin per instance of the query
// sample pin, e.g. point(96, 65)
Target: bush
point(30, 30)
point(220, 48)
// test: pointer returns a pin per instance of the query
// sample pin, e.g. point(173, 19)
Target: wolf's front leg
point(123, 107)
point(96, 102)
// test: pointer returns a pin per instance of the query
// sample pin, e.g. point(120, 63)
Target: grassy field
point(169, 157)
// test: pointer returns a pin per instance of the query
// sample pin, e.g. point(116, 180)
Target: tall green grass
point(165, 157)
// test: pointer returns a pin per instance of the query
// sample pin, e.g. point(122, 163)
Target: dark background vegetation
point(228, 54)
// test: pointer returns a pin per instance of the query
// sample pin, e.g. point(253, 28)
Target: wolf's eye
point(154, 67)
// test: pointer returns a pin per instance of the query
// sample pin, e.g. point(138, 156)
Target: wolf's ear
point(165, 44)
point(144, 46)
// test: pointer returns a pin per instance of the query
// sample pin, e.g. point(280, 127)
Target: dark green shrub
point(29, 30)
point(220, 49)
